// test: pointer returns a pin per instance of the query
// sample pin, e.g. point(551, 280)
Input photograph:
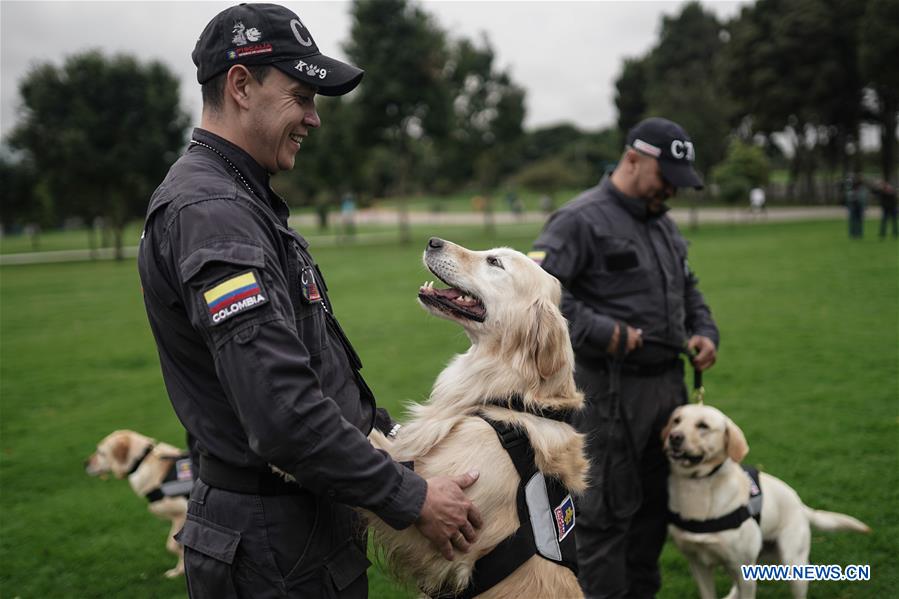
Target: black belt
point(649, 369)
point(251, 481)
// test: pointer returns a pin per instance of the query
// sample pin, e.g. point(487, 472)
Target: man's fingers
point(446, 548)
point(467, 532)
point(461, 543)
point(474, 516)
point(466, 480)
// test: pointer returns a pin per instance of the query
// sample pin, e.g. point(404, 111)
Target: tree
point(102, 132)
point(683, 83)
point(792, 67)
point(484, 142)
point(403, 97)
point(744, 167)
point(630, 95)
point(878, 49)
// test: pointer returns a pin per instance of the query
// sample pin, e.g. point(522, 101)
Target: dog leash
point(698, 388)
point(618, 415)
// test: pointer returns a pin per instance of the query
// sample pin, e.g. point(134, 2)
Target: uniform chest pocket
point(306, 294)
point(621, 268)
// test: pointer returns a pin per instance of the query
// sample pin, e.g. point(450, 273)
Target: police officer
point(257, 367)
point(633, 305)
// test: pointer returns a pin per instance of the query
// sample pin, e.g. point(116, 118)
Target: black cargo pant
point(239, 545)
point(618, 553)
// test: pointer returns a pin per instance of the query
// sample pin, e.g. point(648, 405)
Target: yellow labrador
point(508, 307)
point(146, 463)
point(705, 448)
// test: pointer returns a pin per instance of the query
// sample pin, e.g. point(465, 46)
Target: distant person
point(886, 193)
point(546, 204)
point(322, 208)
point(856, 202)
point(254, 361)
point(757, 201)
point(348, 215)
point(634, 306)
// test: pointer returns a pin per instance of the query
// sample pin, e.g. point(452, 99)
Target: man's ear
point(237, 81)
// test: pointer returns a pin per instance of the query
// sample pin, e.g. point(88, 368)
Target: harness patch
point(564, 514)
point(183, 470)
point(233, 296)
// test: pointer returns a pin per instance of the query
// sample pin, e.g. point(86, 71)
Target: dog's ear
point(668, 425)
point(737, 447)
point(121, 447)
point(549, 341)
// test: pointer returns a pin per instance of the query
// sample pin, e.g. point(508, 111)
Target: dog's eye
point(702, 425)
point(494, 261)
point(676, 421)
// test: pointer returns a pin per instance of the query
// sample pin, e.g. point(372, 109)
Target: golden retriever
point(118, 453)
point(508, 307)
point(705, 448)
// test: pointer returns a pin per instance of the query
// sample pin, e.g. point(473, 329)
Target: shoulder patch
point(564, 516)
point(233, 296)
point(537, 256)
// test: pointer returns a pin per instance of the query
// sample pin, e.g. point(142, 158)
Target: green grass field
point(808, 367)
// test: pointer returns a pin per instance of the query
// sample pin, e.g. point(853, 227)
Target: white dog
point(147, 464)
point(508, 306)
point(707, 485)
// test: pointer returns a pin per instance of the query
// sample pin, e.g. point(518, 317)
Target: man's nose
point(312, 119)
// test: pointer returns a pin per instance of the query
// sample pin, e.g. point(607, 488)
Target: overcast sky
point(565, 54)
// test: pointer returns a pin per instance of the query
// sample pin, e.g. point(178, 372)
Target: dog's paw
point(175, 572)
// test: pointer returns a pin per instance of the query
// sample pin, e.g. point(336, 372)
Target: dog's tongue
point(450, 293)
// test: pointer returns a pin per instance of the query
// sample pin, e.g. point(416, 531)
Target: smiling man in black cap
point(633, 306)
point(255, 363)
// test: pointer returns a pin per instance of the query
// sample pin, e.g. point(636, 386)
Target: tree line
point(785, 83)
point(792, 81)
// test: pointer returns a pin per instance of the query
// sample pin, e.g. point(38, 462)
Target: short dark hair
point(213, 91)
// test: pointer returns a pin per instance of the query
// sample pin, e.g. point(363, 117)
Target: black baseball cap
point(258, 34)
point(667, 142)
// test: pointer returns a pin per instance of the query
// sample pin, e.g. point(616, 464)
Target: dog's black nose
point(435, 243)
point(676, 439)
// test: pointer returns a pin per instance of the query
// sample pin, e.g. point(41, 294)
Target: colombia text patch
point(233, 296)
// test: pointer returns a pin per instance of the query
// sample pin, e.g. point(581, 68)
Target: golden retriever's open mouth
point(453, 301)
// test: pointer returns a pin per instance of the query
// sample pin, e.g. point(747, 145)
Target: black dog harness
point(178, 481)
point(546, 511)
point(753, 509)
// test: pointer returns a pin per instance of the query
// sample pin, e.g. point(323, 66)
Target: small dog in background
point(709, 489)
point(157, 471)
point(508, 307)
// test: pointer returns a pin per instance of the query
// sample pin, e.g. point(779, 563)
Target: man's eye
point(302, 99)
point(494, 261)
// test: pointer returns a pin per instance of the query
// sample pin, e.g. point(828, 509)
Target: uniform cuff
point(404, 506)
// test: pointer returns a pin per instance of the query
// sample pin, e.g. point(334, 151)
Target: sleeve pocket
point(346, 565)
point(209, 538)
point(242, 252)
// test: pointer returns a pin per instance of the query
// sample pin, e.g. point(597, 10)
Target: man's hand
point(634, 340)
point(704, 350)
point(448, 517)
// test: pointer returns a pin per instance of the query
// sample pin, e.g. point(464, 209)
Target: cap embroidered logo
point(295, 26)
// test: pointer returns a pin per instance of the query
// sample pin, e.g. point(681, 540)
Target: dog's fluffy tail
point(834, 521)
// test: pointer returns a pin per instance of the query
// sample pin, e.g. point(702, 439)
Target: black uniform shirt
point(619, 262)
point(255, 364)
